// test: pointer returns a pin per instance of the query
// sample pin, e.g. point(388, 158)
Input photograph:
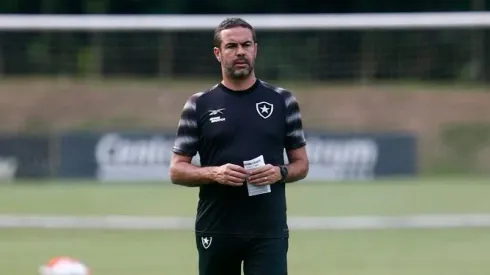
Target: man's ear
point(217, 54)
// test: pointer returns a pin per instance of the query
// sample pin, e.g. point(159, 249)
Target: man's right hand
point(230, 174)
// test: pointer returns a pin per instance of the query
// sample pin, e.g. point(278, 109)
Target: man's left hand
point(264, 175)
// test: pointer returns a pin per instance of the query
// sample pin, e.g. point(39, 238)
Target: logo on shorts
point(206, 242)
point(264, 109)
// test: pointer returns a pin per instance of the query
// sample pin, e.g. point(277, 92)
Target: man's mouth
point(241, 62)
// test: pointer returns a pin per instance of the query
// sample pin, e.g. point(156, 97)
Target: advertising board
point(146, 156)
point(24, 156)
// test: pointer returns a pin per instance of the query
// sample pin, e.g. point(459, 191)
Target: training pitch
point(391, 227)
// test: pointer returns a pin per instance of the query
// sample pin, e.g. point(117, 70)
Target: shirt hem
point(297, 146)
point(243, 235)
point(181, 152)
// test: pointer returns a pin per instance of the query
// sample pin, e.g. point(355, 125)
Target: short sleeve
point(295, 137)
point(187, 138)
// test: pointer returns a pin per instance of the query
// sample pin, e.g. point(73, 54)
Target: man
point(240, 128)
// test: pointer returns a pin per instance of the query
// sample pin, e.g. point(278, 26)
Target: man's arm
point(183, 172)
point(295, 140)
point(298, 164)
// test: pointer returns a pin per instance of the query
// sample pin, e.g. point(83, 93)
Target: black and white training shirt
point(226, 126)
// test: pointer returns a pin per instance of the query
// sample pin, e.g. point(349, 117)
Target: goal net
point(359, 47)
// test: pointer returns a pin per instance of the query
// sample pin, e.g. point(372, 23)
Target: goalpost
point(390, 46)
point(279, 22)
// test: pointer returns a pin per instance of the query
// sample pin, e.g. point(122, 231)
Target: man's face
point(237, 52)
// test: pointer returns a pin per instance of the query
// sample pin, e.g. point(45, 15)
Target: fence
point(367, 47)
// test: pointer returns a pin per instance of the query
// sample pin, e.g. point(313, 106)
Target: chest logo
point(216, 112)
point(216, 115)
point(264, 109)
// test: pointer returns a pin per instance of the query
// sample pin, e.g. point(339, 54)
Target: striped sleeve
point(295, 136)
point(187, 138)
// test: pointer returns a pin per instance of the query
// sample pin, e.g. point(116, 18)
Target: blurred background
point(395, 104)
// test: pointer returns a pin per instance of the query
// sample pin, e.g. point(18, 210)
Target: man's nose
point(240, 51)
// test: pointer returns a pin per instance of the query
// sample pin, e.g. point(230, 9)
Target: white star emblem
point(206, 242)
point(264, 109)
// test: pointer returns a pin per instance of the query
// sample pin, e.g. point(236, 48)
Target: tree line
point(432, 55)
point(233, 6)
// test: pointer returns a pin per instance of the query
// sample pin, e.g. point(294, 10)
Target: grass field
point(349, 252)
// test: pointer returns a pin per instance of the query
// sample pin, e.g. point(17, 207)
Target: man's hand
point(230, 174)
point(264, 175)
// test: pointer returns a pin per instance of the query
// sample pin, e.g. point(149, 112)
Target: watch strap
point(284, 172)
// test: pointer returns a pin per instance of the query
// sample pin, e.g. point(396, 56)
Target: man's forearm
point(186, 174)
point(297, 170)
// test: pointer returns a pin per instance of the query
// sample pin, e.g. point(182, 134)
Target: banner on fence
point(146, 156)
point(360, 156)
point(24, 157)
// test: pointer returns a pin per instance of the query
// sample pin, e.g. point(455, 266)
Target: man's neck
point(239, 84)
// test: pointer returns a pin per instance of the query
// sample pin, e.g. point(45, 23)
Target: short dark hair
point(229, 23)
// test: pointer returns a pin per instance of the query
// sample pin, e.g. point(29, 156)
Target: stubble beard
point(237, 74)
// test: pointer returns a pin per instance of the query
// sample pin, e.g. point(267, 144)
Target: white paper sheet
point(254, 190)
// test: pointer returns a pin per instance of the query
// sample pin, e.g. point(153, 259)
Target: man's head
point(235, 47)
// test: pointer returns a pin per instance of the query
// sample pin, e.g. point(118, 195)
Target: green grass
point(319, 199)
point(438, 252)
point(353, 252)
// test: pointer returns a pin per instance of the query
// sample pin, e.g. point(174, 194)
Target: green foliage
point(84, 58)
point(316, 55)
point(464, 142)
point(8, 6)
point(230, 6)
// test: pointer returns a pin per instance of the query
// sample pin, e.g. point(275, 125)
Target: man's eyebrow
point(234, 42)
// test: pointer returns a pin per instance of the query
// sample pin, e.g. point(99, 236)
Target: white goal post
point(265, 22)
point(364, 46)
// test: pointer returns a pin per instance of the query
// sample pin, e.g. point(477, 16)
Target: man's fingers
point(232, 180)
point(258, 177)
point(237, 168)
point(262, 180)
point(263, 183)
point(235, 181)
point(236, 174)
point(235, 177)
point(259, 170)
point(261, 175)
